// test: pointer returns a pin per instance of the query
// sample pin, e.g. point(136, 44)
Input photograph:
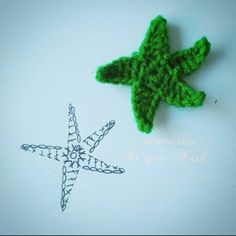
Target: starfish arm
point(116, 72)
point(155, 44)
point(94, 139)
point(144, 104)
point(182, 95)
point(189, 60)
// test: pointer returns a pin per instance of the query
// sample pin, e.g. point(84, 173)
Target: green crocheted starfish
point(154, 74)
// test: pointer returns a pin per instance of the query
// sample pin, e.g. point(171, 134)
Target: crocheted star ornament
point(154, 74)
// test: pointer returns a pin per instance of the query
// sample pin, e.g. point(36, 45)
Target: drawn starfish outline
point(75, 156)
point(154, 74)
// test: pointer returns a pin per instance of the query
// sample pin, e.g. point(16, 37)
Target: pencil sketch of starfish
point(75, 156)
point(154, 74)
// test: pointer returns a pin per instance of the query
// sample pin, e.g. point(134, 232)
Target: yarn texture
point(155, 74)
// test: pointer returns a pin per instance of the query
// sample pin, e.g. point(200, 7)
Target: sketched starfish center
point(154, 74)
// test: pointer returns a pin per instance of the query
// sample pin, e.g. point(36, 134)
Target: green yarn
point(154, 74)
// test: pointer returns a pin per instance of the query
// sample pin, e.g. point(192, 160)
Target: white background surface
point(49, 52)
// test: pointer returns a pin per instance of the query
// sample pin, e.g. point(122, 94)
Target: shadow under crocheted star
point(155, 74)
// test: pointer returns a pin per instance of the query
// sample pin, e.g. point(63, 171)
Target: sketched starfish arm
point(48, 151)
point(73, 130)
point(69, 176)
point(189, 60)
point(97, 165)
point(95, 138)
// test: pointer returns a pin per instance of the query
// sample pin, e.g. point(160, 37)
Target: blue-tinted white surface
point(179, 179)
